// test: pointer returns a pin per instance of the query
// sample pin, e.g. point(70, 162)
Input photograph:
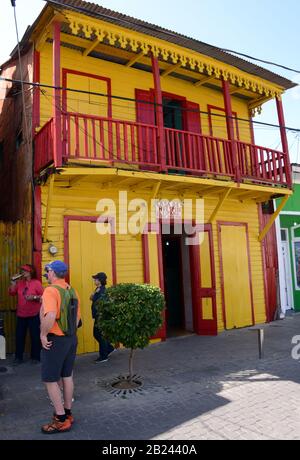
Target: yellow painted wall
point(124, 82)
point(82, 198)
point(15, 250)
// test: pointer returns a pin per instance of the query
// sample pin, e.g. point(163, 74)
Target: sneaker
point(17, 361)
point(56, 426)
point(101, 360)
point(34, 361)
point(69, 417)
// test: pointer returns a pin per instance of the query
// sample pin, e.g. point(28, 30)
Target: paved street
point(194, 388)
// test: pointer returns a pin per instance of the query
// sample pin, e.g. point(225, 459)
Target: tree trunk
point(130, 365)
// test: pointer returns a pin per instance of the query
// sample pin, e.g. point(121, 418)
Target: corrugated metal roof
point(97, 11)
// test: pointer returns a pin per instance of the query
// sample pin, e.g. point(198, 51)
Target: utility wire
point(155, 104)
point(260, 60)
point(154, 28)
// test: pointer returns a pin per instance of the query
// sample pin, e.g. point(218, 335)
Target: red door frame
point(162, 332)
point(109, 220)
point(203, 326)
point(214, 107)
point(200, 326)
point(234, 224)
point(65, 73)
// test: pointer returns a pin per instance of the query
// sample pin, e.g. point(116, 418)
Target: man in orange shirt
point(59, 348)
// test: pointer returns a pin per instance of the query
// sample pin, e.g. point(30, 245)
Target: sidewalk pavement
point(194, 388)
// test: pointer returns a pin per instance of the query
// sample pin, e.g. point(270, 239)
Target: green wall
point(289, 221)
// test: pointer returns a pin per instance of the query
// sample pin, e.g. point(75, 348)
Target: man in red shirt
point(28, 291)
point(59, 348)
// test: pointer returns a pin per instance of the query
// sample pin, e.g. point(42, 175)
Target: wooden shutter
point(192, 117)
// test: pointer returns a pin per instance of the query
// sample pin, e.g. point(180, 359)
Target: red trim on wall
point(159, 111)
point(252, 131)
point(202, 326)
point(36, 92)
point(264, 264)
point(161, 333)
point(95, 219)
point(160, 261)
point(146, 262)
point(214, 107)
point(234, 224)
point(37, 235)
point(65, 73)
point(57, 144)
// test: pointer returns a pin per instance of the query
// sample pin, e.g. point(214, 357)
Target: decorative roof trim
point(138, 42)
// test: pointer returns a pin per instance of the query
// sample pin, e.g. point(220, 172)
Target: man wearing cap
point(29, 291)
point(105, 348)
point(59, 349)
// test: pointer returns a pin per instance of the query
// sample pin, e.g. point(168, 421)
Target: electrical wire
point(111, 154)
point(150, 103)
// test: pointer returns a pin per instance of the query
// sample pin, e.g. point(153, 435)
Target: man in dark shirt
point(105, 348)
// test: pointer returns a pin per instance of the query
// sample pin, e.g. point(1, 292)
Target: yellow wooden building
point(120, 105)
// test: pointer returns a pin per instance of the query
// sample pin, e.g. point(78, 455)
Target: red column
point(57, 137)
point(230, 128)
point(284, 141)
point(36, 92)
point(37, 236)
point(159, 112)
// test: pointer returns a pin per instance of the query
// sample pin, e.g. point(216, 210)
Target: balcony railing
point(111, 141)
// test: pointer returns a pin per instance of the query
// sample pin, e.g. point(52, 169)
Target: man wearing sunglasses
point(59, 348)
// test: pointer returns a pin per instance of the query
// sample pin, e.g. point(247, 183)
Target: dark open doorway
point(177, 284)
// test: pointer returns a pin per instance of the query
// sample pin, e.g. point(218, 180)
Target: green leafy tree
point(130, 314)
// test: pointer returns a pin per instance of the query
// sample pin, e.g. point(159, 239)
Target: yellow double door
point(89, 253)
point(236, 275)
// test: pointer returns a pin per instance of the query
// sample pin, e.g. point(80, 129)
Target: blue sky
point(267, 29)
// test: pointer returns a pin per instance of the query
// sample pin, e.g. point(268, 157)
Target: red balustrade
point(91, 138)
point(43, 147)
point(264, 165)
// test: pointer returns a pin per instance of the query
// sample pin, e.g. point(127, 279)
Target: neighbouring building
point(288, 233)
point(125, 110)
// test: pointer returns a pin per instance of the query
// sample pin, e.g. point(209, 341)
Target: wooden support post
point(273, 218)
point(57, 138)
point(156, 190)
point(159, 112)
point(230, 129)
point(221, 201)
point(284, 142)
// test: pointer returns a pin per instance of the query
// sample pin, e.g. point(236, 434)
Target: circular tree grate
point(121, 386)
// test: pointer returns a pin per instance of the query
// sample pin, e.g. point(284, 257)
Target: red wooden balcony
point(106, 140)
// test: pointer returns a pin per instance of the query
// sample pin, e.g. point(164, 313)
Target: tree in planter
point(130, 314)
